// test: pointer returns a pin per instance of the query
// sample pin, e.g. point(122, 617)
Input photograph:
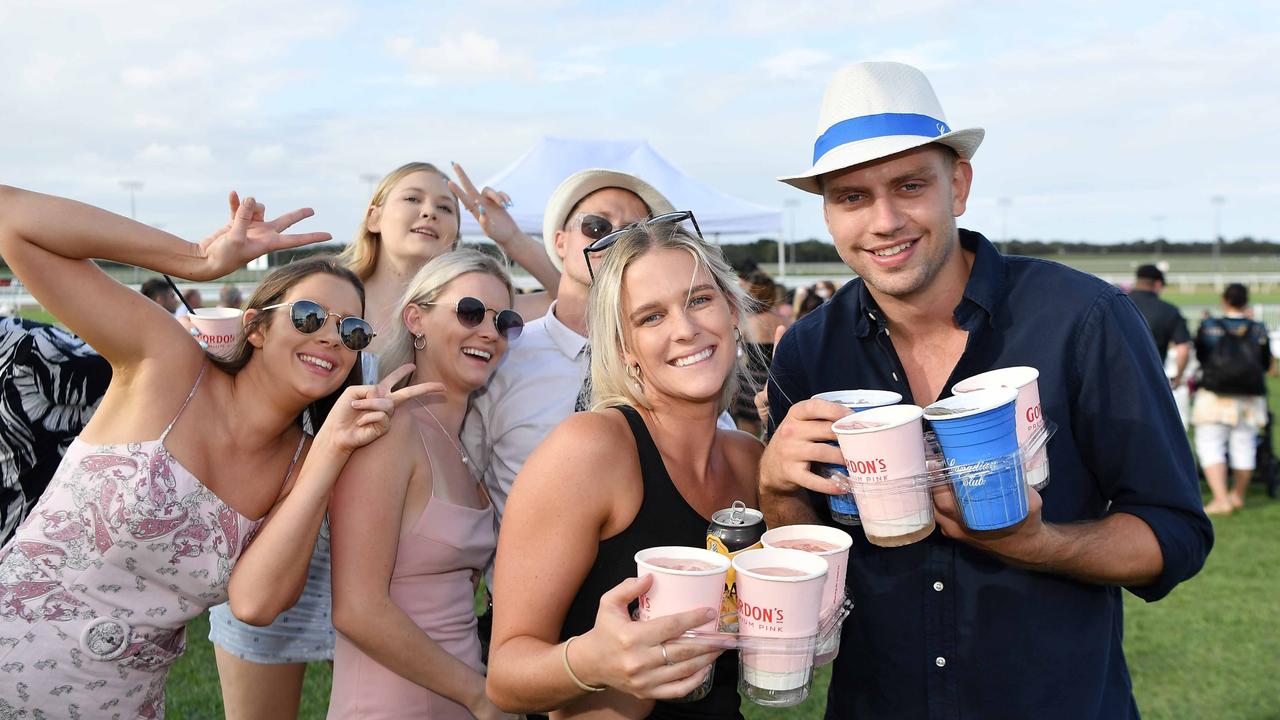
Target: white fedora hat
point(581, 184)
point(873, 110)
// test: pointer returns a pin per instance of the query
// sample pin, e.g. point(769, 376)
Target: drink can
point(733, 530)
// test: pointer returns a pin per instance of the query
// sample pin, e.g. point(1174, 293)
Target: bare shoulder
point(740, 445)
point(587, 452)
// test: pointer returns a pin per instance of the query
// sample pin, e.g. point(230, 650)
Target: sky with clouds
point(1105, 121)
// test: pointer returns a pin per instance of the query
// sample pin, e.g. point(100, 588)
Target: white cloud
point(161, 154)
point(465, 58)
point(265, 155)
point(796, 63)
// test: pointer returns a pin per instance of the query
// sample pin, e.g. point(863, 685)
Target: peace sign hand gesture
point(363, 413)
point(249, 236)
point(488, 206)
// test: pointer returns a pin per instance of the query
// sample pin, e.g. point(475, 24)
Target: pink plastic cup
point(1026, 380)
point(837, 557)
point(779, 610)
point(677, 589)
point(884, 451)
point(219, 328)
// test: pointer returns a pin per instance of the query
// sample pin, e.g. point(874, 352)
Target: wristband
point(564, 655)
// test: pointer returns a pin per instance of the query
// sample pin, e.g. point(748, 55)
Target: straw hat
point(581, 184)
point(873, 110)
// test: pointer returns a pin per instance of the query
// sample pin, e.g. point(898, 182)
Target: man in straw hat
point(1025, 621)
point(539, 381)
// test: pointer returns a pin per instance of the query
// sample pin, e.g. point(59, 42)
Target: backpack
point(1233, 366)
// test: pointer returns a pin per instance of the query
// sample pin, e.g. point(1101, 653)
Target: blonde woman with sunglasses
point(148, 519)
point(647, 467)
point(412, 527)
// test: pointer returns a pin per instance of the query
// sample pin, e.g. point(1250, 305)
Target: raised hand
point(249, 235)
point(641, 658)
point(363, 413)
point(488, 206)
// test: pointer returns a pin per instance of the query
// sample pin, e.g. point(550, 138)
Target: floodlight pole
point(1218, 201)
point(133, 186)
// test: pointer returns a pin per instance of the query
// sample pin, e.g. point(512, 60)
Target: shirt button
point(940, 662)
point(938, 586)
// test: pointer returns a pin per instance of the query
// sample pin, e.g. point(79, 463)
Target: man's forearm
point(1120, 549)
point(786, 508)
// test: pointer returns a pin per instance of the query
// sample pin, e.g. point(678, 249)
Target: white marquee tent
point(531, 179)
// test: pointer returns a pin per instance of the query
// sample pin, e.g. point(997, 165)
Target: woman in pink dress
point(412, 528)
point(147, 520)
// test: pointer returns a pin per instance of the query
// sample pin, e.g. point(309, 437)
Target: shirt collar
point(566, 340)
point(981, 293)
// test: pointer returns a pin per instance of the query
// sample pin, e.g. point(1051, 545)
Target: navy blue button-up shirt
point(943, 630)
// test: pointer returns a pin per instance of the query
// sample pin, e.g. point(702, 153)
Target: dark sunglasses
point(309, 316)
point(607, 236)
point(471, 312)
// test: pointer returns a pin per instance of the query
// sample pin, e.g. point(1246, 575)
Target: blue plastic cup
point(978, 434)
point(844, 509)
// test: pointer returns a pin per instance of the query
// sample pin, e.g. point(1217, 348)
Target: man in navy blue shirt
point(1022, 622)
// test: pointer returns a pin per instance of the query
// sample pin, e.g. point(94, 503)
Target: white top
point(532, 391)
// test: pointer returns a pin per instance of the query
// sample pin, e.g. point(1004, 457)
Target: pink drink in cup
point(219, 328)
point(684, 578)
point(778, 618)
point(884, 452)
point(1026, 380)
point(832, 545)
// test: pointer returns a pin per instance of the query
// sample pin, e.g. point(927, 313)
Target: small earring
point(419, 339)
point(737, 334)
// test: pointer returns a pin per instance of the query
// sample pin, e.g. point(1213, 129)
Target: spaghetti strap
point(296, 454)
point(186, 402)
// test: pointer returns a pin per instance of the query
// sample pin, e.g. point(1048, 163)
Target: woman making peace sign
point(146, 522)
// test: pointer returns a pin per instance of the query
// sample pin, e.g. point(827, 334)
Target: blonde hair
point(426, 287)
point(362, 254)
point(610, 383)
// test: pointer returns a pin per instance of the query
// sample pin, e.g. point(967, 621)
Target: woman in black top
point(646, 467)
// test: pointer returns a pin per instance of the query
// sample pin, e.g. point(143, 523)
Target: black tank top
point(664, 518)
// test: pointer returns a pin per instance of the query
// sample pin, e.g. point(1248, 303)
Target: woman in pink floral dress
point(147, 520)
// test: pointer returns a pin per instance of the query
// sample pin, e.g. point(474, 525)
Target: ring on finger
point(665, 659)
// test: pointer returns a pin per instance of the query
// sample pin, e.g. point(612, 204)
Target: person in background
point(758, 328)
point(944, 627)
point(50, 383)
point(647, 466)
point(148, 518)
point(1168, 327)
point(1230, 405)
point(229, 296)
point(159, 291)
point(412, 526)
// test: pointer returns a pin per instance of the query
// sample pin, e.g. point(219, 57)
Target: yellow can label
point(729, 603)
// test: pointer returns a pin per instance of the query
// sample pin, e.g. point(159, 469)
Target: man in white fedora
point(1025, 621)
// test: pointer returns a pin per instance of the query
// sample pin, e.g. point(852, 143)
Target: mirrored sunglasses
point(609, 236)
point(309, 316)
point(471, 312)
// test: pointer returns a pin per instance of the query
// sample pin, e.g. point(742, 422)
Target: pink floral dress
point(124, 548)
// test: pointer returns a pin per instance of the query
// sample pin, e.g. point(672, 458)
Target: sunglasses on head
point(471, 312)
point(308, 316)
point(608, 236)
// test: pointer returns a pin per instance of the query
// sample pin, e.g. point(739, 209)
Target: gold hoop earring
point(737, 334)
point(417, 339)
